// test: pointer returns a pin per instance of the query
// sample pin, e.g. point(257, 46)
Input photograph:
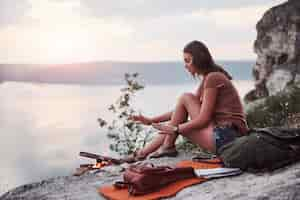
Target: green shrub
point(275, 110)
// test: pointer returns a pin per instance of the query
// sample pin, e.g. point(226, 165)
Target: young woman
point(215, 110)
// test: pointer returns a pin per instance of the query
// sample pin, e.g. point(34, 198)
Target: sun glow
point(60, 36)
point(66, 45)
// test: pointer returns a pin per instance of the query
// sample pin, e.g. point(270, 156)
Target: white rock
point(278, 81)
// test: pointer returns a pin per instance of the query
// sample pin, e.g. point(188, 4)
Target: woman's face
point(188, 63)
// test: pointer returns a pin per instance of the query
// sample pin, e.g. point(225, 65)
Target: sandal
point(170, 152)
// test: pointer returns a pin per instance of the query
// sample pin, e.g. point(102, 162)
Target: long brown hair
point(202, 58)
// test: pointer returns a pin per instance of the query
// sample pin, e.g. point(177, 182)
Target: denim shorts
point(224, 135)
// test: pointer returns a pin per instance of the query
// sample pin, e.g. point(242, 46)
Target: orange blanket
point(110, 192)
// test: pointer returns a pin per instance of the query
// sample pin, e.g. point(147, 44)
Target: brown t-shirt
point(228, 108)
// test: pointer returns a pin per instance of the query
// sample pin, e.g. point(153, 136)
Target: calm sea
point(44, 126)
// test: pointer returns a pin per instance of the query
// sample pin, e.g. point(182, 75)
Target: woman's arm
point(148, 121)
point(205, 115)
point(162, 118)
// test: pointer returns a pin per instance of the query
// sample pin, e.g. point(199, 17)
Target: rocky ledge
point(280, 184)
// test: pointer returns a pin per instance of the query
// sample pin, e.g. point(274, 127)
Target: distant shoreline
point(101, 84)
point(112, 73)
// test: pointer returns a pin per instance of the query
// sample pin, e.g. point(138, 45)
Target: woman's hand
point(164, 128)
point(140, 118)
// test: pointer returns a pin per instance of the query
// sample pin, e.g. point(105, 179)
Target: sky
point(70, 31)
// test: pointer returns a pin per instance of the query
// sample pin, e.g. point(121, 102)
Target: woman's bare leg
point(188, 105)
point(202, 137)
point(153, 145)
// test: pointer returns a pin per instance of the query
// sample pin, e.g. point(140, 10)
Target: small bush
point(127, 136)
point(276, 110)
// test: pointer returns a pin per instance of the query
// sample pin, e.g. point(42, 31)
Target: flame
point(101, 164)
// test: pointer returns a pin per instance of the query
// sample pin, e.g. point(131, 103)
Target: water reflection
point(44, 127)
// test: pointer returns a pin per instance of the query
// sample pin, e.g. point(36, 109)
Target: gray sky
point(64, 31)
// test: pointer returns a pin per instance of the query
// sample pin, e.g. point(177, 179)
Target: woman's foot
point(165, 152)
point(135, 157)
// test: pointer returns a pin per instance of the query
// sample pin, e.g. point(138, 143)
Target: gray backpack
point(263, 149)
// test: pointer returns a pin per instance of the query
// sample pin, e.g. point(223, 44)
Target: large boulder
point(278, 51)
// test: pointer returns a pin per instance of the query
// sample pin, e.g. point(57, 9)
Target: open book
point(217, 172)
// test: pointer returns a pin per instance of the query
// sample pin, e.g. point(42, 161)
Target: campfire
point(100, 163)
